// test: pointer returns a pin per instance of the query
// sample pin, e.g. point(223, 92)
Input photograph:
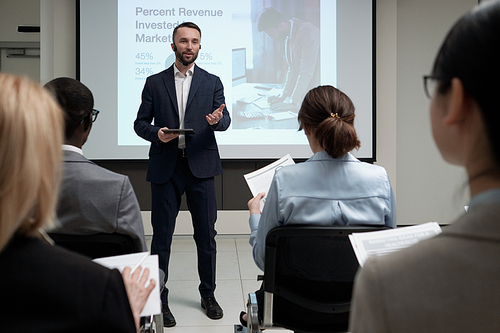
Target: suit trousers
point(201, 201)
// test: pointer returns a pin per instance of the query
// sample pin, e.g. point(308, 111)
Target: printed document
point(377, 243)
point(260, 180)
point(153, 304)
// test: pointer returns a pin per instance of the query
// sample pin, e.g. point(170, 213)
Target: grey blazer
point(449, 283)
point(93, 199)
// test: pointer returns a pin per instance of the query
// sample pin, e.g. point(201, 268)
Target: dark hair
point(75, 99)
point(186, 25)
point(329, 114)
point(471, 53)
point(269, 18)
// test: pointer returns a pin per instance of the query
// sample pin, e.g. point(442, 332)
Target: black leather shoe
point(168, 317)
point(214, 311)
point(243, 321)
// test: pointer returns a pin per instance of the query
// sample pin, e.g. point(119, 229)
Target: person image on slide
point(302, 46)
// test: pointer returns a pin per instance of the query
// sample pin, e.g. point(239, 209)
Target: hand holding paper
point(260, 180)
point(255, 203)
point(137, 292)
point(125, 262)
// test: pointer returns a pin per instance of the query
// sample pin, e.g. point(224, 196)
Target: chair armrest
point(252, 314)
point(267, 321)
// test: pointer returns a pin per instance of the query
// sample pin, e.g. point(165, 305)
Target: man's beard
point(183, 60)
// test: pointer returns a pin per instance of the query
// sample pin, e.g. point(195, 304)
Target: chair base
point(152, 324)
point(238, 328)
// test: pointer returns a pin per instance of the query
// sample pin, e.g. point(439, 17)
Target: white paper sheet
point(153, 304)
point(260, 180)
point(377, 243)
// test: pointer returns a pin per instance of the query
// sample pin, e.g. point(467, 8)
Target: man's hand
point(254, 203)
point(166, 137)
point(136, 291)
point(276, 99)
point(215, 116)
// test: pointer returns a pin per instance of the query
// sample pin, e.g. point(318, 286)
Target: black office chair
point(308, 278)
point(106, 245)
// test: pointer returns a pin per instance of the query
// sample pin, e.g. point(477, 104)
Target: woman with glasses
point(450, 283)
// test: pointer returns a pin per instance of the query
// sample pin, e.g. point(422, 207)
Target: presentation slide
point(329, 42)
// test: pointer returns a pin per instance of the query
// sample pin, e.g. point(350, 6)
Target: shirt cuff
point(254, 221)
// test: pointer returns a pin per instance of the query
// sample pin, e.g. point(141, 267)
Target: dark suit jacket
point(48, 289)
point(159, 103)
point(93, 200)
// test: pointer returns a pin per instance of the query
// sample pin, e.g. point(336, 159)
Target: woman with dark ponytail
point(328, 115)
point(450, 283)
point(330, 188)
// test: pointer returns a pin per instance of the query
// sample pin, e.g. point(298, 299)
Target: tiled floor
point(236, 277)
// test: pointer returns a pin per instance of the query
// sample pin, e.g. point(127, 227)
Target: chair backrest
point(96, 245)
point(310, 272)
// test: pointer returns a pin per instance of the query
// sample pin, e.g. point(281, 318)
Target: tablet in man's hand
point(179, 130)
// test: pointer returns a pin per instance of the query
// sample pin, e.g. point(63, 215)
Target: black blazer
point(45, 288)
point(159, 103)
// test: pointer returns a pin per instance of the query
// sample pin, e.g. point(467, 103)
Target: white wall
point(18, 12)
point(12, 14)
point(58, 39)
point(408, 36)
point(409, 33)
point(428, 188)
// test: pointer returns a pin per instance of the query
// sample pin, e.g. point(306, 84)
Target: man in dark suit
point(184, 96)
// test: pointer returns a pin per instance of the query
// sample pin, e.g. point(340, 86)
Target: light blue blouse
point(324, 191)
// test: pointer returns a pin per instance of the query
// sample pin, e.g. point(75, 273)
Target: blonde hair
point(31, 131)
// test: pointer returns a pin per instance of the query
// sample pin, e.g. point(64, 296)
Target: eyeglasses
point(429, 85)
point(94, 113)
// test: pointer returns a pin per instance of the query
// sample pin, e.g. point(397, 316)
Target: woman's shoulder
point(322, 159)
point(41, 256)
point(56, 266)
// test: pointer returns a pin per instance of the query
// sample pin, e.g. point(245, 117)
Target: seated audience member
point(92, 199)
point(330, 188)
point(46, 288)
point(449, 283)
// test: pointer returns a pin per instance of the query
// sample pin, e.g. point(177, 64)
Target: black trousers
point(201, 201)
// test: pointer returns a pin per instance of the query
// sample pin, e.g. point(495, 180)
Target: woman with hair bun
point(330, 188)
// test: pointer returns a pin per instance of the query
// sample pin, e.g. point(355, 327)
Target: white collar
point(72, 148)
point(190, 71)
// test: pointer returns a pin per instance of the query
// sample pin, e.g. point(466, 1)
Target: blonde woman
point(45, 288)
